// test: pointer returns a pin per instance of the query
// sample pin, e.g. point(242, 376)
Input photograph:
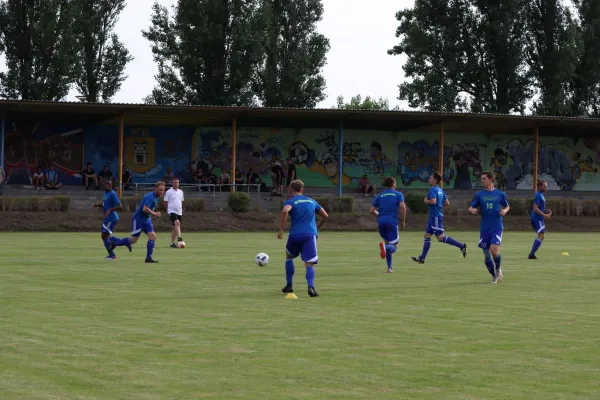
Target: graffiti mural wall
point(148, 152)
point(28, 147)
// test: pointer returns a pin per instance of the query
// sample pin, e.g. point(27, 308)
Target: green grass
point(207, 323)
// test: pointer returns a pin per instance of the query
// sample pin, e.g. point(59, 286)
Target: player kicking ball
point(493, 205)
point(141, 222)
point(110, 204)
point(436, 199)
point(539, 215)
point(302, 239)
point(385, 207)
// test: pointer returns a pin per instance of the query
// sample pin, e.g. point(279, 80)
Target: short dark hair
point(540, 183)
point(389, 181)
point(488, 175)
point(297, 185)
point(437, 177)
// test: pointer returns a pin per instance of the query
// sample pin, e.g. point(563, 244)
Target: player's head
point(108, 186)
point(297, 186)
point(487, 180)
point(389, 182)
point(542, 186)
point(175, 183)
point(435, 179)
point(159, 189)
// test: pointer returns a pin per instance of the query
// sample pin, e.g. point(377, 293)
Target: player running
point(385, 207)
point(539, 214)
point(303, 235)
point(493, 205)
point(436, 199)
point(141, 222)
point(173, 204)
point(110, 204)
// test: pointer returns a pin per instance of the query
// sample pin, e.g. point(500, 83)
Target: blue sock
point(107, 245)
point(426, 246)
point(536, 245)
point(113, 238)
point(310, 276)
point(149, 249)
point(388, 259)
point(289, 271)
point(497, 261)
point(452, 242)
point(122, 242)
point(489, 263)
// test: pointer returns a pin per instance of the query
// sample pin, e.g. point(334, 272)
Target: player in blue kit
point(539, 215)
point(493, 205)
point(385, 207)
point(303, 235)
point(436, 199)
point(110, 204)
point(141, 222)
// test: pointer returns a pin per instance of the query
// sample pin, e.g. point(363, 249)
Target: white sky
point(360, 33)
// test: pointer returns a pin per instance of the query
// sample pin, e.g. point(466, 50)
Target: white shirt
point(175, 198)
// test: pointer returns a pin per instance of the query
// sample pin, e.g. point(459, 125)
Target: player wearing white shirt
point(174, 204)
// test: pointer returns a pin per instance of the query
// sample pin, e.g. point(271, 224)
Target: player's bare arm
point(283, 220)
point(446, 202)
point(430, 201)
point(537, 210)
point(324, 217)
point(403, 213)
point(149, 211)
point(504, 211)
point(374, 211)
point(473, 210)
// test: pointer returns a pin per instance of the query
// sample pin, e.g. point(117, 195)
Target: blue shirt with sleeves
point(490, 202)
point(437, 209)
point(387, 203)
point(302, 215)
point(151, 201)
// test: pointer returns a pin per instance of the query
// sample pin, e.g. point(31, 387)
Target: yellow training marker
point(291, 296)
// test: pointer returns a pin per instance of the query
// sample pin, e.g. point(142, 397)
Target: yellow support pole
point(536, 143)
point(441, 156)
point(121, 129)
point(233, 151)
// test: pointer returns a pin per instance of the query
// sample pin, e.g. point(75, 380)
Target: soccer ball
point(262, 259)
point(298, 152)
point(181, 245)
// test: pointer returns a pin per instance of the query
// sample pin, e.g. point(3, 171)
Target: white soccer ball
point(181, 244)
point(262, 259)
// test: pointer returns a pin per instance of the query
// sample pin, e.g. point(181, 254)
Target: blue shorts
point(108, 225)
point(539, 226)
point(435, 226)
point(138, 226)
point(486, 239)
point(389, 232)
point(305, 244)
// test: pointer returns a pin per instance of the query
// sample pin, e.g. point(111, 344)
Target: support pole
point(340, 158)
point(536, 143)
point(121, 134)
point(2, 143)
point(441, 156)
point(233, 152)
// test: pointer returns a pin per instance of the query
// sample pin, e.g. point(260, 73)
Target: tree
point(294, 54)
point(463, 55)
point(207, 52)
point(101, 57)
point(38, 44)
point(357, 103)
point(552, 49)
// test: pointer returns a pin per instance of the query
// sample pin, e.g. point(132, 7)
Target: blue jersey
point(111, 201)
point(151, 201)
point(540, 201)
point(387, 204)
point(302, 215)
point(490, 203)
point(436, 210)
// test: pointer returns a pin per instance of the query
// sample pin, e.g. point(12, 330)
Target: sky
point(360, 33)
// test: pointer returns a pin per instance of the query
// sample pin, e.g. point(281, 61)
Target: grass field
point(207, 323)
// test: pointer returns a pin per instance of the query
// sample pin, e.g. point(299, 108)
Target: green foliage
point(239, 202)
point(343, 204)
point(101, 58)
point(324, 201)
point(414, 202)
point(357, 103)
point(294, 54)
point(590, 208)
point(131, 203)
point(207, 52)
point(35, 204)
point(38, 43)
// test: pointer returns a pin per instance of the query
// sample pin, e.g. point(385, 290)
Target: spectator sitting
point(106, 176)
point(254, 179)
point(366, 186)
point(38, 179)
point(90, 175)
point(168, 177)
point(225, 180)
point(127, 176)
point(52, 181)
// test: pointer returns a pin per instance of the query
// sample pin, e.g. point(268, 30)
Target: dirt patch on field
point(261, 221)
